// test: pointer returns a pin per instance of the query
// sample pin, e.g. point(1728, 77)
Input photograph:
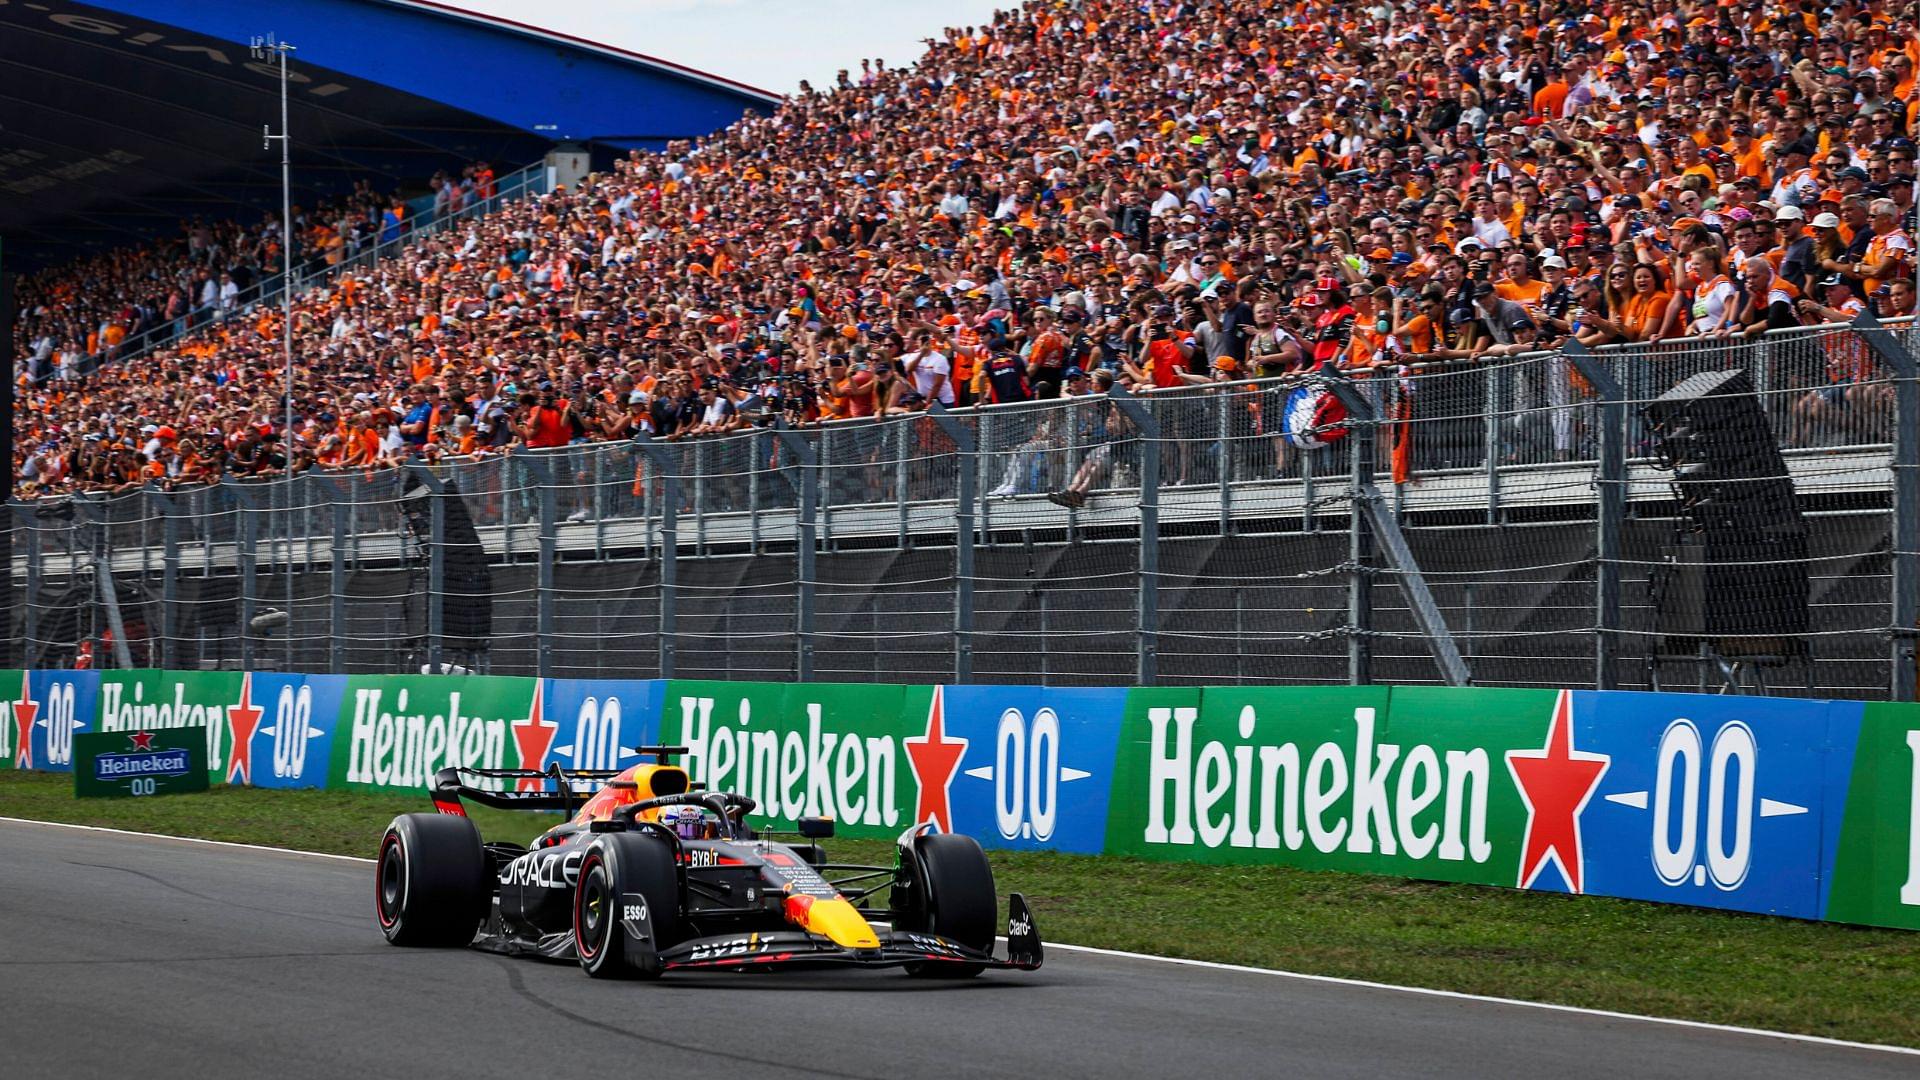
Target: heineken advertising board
point(170, 761)
point(1789, 807)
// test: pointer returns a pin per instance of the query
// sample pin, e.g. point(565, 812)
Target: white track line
point(187, 839)
point(1332, 980)
point(1484, 998)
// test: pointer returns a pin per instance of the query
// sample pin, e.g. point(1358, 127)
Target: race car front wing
point(796, 948)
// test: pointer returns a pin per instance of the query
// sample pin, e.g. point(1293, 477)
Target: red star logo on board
point(1555, 782)
point(243, 718)
point(24, 710)
point(934, 759)
point(534, 737)
point(141, 740)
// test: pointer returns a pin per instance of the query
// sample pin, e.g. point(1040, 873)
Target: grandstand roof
point(121, 117)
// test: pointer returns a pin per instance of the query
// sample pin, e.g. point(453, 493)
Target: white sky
point(763, 43)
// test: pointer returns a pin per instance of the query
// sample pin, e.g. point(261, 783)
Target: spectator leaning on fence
point(1117, 188)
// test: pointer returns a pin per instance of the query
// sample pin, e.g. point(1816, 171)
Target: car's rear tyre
point(615, 866)
point(954, 898)
point(430, 882)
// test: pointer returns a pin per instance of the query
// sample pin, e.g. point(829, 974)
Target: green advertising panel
point(163, 761)
point(1793, 807)
point(219, 702)
point(1876, 873)
point(852, 752)
point(1327, 778)
point(396, 731)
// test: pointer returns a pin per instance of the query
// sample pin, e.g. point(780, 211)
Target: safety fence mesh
point(1288, 531)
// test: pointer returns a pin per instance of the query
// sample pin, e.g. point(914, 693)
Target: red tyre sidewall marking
point(579, 942)
point(380, 883)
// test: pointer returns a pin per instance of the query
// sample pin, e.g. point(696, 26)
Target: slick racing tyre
point(954, 899)
point(430, 882)
point(620, 865)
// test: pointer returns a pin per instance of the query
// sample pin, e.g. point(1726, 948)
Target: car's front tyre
point(953, 898)
point(430, 881)
point(618, 867)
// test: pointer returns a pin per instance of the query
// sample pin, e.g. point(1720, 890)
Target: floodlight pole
point(262, 48)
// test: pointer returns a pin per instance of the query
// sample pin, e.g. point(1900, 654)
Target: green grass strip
point(1754, 971)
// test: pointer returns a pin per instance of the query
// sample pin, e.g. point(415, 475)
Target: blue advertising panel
point(1038, 764)
point(292, 743)
point(44, 710)
point(1714, 801)
point(597, 721)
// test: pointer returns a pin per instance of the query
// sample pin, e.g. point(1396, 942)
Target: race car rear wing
point(449, 788)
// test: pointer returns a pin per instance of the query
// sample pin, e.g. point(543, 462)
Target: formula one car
point(652, 874)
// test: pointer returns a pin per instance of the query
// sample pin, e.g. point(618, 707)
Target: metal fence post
point(698, 451)
point(1147, 613)
point(540, 466)
point(756, 464)
point(169, 572)
point(901, 429)
point(1904, 624)
point(285, 486)
point(110, 593)
point(1611, 512)
point(247, 559)
point(1223, 464)
point(436, 575)
point(30, 628)
point(965, 501)
point(981, 466)
point(660, 457)
point(337, 583)
point(1373, 524)
point(1360, 546)
point(600, 500)
point(806, 481)
point(1490, 467)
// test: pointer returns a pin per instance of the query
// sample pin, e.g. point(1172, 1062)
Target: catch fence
point(1507, 522)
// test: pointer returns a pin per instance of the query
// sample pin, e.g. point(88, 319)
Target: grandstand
point(1087, 304)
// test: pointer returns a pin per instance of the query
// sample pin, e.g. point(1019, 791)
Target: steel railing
point(1207, 504)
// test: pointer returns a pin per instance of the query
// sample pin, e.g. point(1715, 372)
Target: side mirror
point(816, 828)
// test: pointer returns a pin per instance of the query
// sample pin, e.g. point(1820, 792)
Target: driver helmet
point(688, 822)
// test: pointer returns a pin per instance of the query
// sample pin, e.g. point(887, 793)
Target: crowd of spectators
point(111, 305)
point(1083, 194)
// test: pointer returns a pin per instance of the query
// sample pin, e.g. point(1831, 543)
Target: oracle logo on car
point(542, 869)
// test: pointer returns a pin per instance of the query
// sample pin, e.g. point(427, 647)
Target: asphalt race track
point(133, 956)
